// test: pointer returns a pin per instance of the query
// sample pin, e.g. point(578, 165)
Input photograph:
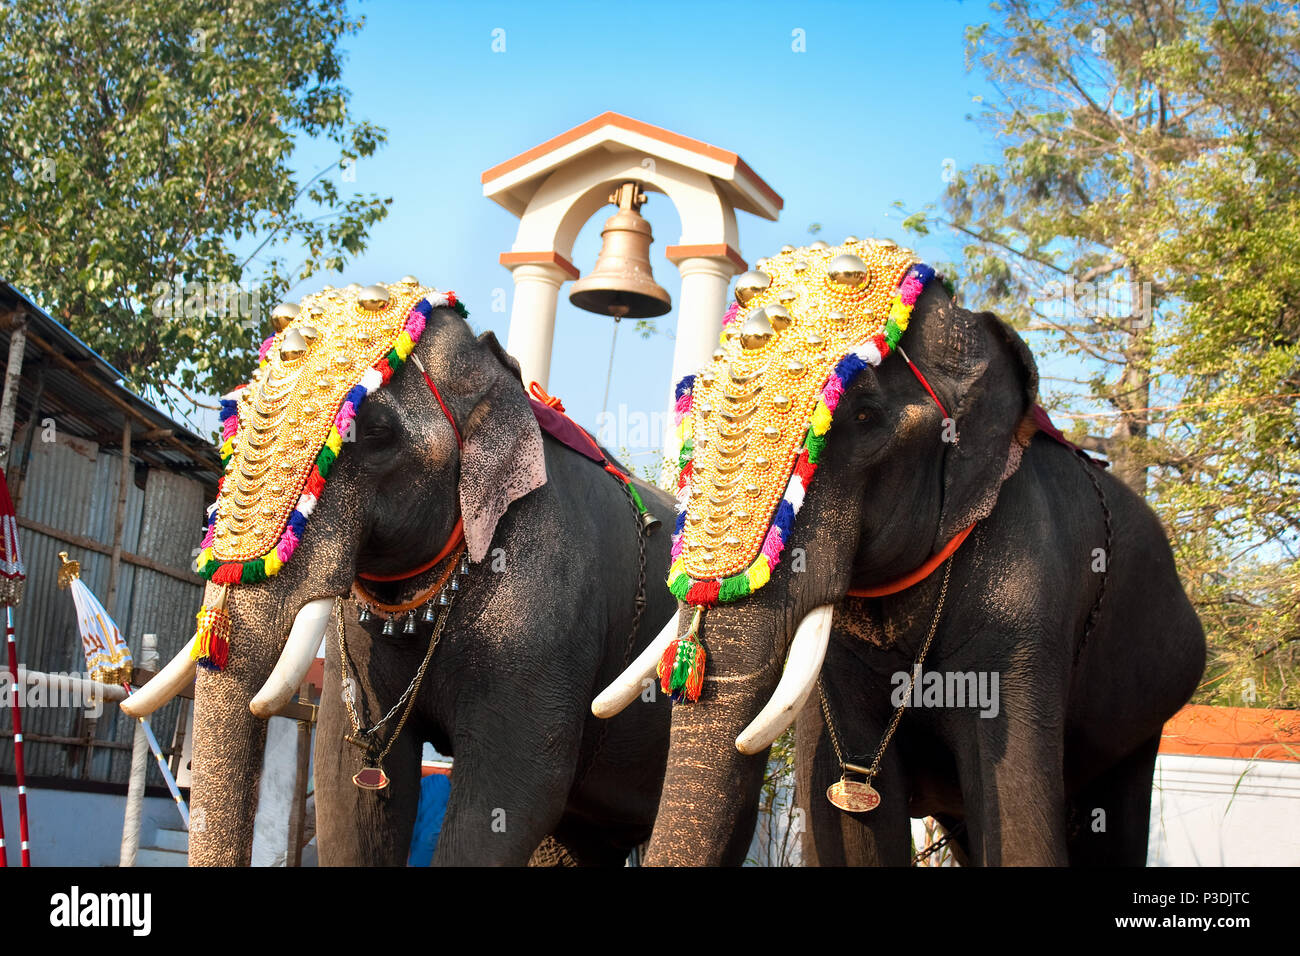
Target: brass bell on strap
point(409, 626)
point(388, 629)
point(649, 523)
point(621, 284)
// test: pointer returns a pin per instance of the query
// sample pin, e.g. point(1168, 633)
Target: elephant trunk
point(229, 736)
point(711, 790)
point(229, 742)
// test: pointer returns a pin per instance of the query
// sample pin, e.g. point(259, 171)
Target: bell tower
point(556, 187)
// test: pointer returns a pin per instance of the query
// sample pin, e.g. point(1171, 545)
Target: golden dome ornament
point(755, 332)
point(373, 298)
point(282, 315)
point(751, 284)
point(779, 317)
point(848, 271)
point(293, 346)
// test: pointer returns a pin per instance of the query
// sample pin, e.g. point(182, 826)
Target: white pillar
point(532, 319)
point(700, 307)
point(139, 767)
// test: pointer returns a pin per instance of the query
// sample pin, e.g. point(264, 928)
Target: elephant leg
point(356, 827)
point(1013, 789)
point(1111, 816)
point(509, 788)
point(832, 837)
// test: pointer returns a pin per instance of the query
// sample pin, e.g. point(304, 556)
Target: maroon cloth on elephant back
point(566, 431)
point(1044, 424)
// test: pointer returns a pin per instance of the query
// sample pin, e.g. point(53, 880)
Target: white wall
point(74, 828)
point(1220, 811)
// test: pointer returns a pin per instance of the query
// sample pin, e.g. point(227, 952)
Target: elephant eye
point(377, 431)
point(862, 416)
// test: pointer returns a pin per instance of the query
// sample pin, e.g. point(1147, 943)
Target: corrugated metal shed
point(65, 470)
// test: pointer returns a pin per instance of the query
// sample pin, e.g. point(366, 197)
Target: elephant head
point(908, 449)
point(331, 401)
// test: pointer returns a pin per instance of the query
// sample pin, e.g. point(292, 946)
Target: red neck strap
point(925, 570)
point(917, 576)
point(457, 535)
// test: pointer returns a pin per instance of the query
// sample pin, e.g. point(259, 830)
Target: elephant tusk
point(631, 683)
point(802, 667)
point(166, 684)
point(295, 660)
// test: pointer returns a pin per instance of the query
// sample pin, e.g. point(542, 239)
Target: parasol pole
point(162, 765)
point(108, 659)
point(13, 578)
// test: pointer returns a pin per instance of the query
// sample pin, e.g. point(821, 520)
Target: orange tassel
point(212, 636)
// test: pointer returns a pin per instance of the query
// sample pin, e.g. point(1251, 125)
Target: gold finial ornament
point(850, 241)
point(779, 316)
point(818, 246)
point(282, 315)
point(69, 571)
point(751, 284)
point(787, 249)
point(408, 280)
point(848, 270)
point(757, 330)
point(373, 298)
point(293, 346)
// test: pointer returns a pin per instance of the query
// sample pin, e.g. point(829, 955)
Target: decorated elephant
point(997, 623)
point(477, 567)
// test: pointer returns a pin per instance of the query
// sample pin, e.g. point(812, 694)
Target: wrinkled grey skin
point(1068, 739)
point(525, 648)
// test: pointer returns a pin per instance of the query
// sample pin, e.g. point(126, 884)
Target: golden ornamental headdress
point(282, 432)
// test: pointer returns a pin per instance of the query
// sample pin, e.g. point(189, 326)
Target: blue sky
point(865, 116)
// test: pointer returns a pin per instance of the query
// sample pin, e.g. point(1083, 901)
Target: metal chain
point(1095, 611)
point(408, 696)
point(939, 844)
point(874, 769)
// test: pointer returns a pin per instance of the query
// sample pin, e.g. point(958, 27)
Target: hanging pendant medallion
point(853, 796)
point(371, 778)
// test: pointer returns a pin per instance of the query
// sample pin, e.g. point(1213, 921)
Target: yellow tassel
point(212, 635)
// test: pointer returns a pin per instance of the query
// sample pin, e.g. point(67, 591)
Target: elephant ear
point(502, 459)
point(997, 387)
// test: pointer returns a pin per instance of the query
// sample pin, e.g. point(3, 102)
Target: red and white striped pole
point(4, 855)
point(19, 770)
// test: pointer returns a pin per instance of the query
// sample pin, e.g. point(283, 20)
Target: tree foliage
point(147, 199)
point(1142, 226)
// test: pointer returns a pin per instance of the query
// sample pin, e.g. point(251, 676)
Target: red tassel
point(212, 635)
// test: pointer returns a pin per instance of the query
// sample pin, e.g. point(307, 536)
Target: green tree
point(146, 196)
point(1142, 226)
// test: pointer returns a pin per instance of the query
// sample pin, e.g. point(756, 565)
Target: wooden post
point(124, 482)
point(298, 811)
point(33, 420)
point(13, 378)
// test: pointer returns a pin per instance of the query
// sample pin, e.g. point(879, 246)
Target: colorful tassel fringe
point(707, 593)
point(681, 669)
point(212, 635)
